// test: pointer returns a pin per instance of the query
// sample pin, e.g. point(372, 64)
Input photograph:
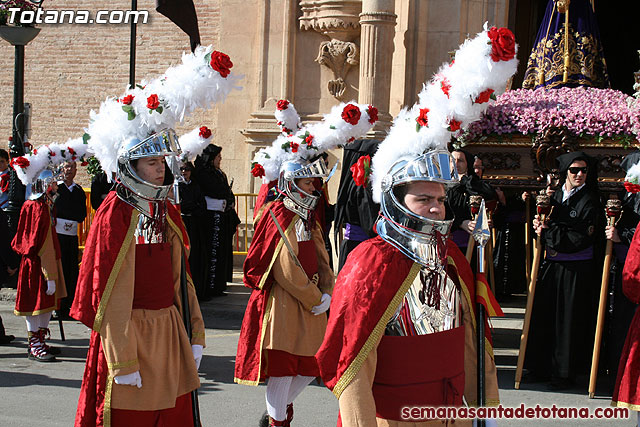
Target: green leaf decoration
point(493, 96)
point(417, 127)
point(207, 58)
point(127, 108)
point(131, 115)
point(332, 127)
point(159, 109)
point(85, 138)
point(139, 86)
point(266, 156)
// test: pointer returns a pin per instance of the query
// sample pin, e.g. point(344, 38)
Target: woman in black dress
point(221, 220)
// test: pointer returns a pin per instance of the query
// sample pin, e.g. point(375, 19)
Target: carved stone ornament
point(339, 56)
point(333, 18)
point(339, 20)
point(500, 161)
point(609, 163)
point(547, 147)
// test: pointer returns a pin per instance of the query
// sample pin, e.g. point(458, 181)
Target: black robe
point(220, 228)
point(71, 205)
point(620, 310)
point(566, 297)
point(193, 210)
point(355, 204)
point(458, 199)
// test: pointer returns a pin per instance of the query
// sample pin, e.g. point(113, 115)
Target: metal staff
point(613, 211)
point(481, 234)
point(474, 204)
point(544, 208)
point(492, 205)
point(186, 312)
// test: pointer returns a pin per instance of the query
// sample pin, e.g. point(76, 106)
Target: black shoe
point(42, 357)
point(218, 294)
point(264, 420)
point(532, 377)
point(561, 384)
point(6, 339)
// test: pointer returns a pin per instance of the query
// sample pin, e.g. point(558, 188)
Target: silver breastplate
point(149, 231)
point(302, 234)
point(296, 208)
point(423, 318)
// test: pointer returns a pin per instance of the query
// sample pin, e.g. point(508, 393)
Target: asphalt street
point(33, 393)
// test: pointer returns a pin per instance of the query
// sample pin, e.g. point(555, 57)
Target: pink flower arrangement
point(585, 112)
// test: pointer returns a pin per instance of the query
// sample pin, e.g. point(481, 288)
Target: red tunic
point(112, 226)
point(375, 274)
point(627, 390)
point(34, 228)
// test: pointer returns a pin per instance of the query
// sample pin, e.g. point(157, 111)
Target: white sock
point(43, 319)
point(298, 383)
point(33, 323)
point(277, 394)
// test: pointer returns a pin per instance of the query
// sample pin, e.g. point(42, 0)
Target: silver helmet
point(140, 192)
point(420, 238)
point(43, 185)
point(298, 200)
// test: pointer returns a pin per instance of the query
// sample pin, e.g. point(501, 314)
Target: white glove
point(51, 287)
point(323, 306)
point(129, 379)
point(196, 349)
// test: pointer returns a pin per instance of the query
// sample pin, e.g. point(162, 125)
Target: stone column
point(377, 24)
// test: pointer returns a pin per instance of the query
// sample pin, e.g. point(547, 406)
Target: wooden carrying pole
point(527, 238)
point(527, 313)
point(543, 204)
point(474, 204)
point(613, 212)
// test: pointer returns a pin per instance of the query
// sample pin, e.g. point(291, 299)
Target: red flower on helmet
point(221, 63)
point(503, 44)
point(484, 96)
point(205, 132)
point(153, 102)
point(422, 119)
point(21, 161)
point(282, 104)
point(257, 170)
point(309, 140)
point(454, 125)
point(351, 114)
point(373, 114)
point(631, 188)
point(294, 146)
point(445, 86)
point(127, 100)
point(361, 170)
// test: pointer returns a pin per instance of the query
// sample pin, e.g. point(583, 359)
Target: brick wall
point(70, 69)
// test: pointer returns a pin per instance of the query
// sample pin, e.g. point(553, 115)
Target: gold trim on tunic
point(97, 324)
point(353, 369)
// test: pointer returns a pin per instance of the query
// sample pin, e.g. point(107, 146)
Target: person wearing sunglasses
point(565, 305)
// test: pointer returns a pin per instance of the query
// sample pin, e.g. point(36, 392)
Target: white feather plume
point(315, 138)
point(471, 73)
point(180, 90)
point(288, 118)
point(50, 155)
point(193, 144)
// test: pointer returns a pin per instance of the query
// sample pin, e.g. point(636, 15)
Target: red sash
point(154, 277)
point(420, 370)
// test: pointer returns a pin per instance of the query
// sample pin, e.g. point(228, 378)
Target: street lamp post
point(19, 36)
